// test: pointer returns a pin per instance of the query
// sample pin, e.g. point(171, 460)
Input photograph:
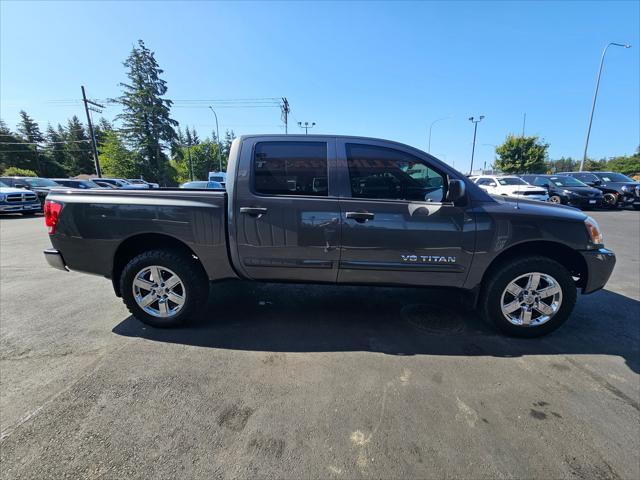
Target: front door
point(397, 226)
point(287, 223)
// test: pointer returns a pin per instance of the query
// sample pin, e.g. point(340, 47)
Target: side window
point(290, 168)
point(487, 181)
point(385, 173)
point(541, 181)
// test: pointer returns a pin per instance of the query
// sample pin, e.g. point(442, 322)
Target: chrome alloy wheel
point(159, 291)
point(531, 299)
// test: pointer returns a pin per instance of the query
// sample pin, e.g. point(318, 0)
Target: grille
point(21, 197)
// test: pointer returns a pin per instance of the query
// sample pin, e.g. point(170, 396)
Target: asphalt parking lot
point(289, 381)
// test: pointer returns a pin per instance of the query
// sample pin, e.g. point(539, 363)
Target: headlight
point(569, 192)
point(625, 188)
point(593, 229)
point(2, 197)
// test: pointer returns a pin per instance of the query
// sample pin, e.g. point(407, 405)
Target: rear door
point(287, 217)
point(397, 227)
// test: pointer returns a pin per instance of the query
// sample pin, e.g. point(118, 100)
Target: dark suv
point(40, 186)
point(618, 189)
point(74, 183)
point(567, 190)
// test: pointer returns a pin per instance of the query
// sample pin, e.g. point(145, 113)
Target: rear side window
point(386, 173)
point(290, 168)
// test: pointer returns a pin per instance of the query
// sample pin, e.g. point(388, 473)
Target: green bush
point(18, 172)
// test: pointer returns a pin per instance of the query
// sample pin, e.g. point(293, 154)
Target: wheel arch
point(561, 253)
point(143, 242)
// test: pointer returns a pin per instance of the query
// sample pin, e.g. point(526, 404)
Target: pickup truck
point(337, 210)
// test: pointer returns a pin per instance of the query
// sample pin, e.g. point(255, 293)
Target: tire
point(610, 200)
point(555, 199)
point(495, 294)
point(167, 305)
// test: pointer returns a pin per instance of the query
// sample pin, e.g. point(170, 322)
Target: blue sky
point(376, 69)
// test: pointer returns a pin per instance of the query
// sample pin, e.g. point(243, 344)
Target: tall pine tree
point(146, 120)
point(79, 157)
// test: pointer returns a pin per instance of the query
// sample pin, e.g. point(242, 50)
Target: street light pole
point(217, 139)
point(430, 127)
point(475, 131)
point(306, 126)
point(595, 97)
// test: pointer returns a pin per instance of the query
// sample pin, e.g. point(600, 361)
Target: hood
point(581, 190)
point(528, 188)
point(5, 190)
point(545, 209)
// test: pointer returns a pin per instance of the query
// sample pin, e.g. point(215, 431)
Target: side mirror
point(20, 185)
point(597, 182)
point(456, 190)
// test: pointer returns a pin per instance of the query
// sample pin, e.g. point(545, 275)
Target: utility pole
point(285, 114)
point(91, 132)
point(217, 139)
point(475, 131)
point(595, 97)
point(306, 126)
point(190, 163)
point(524, 122)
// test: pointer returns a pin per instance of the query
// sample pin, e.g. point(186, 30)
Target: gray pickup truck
point(338, 210)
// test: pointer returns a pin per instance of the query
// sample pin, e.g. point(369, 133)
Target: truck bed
point(96, 224)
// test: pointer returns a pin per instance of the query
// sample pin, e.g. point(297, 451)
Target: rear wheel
point(529, 297)
point(164, 288)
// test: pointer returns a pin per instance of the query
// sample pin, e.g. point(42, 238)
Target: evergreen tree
point(187, 137)
point(56, 154)
point(79, 156)
point(146, 114)
point(30, 133)
point(13, 151)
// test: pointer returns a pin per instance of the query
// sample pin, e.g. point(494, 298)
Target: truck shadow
point(395, 321)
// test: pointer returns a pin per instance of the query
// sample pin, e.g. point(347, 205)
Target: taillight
point(51, 214)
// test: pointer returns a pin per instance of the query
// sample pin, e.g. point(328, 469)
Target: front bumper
point(20, 207)
point(584, 202)
point(600, 264)
point(54, 259)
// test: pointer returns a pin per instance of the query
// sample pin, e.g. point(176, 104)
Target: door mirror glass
point(456, 191)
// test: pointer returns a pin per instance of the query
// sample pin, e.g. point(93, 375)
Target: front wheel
point(164, 288)
point(555, 199)
point(529, 297)
point(610, 200)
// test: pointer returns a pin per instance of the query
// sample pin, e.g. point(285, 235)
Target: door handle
point(253, 211)
point(360, 217)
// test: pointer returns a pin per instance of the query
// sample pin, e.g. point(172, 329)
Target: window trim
point(252, 170)
point(344, 146)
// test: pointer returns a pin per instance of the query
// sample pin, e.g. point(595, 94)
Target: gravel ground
point(289, 381)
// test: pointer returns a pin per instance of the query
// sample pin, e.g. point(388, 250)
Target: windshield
point(511, 181)
point(216, 179)
point(567, 182)
point(40, 182)
point(194, 185)
point(3, 185)
point(613, 177)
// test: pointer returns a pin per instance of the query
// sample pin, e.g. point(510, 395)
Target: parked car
point(202, 184)
point(119, 183)
point(567, 190)
point(618, 190)
point(511, 186)
point(141, 182)
point(389, 214)
point(104, 184)
point(39, 186)
point(18, 200)
point(73, 183)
